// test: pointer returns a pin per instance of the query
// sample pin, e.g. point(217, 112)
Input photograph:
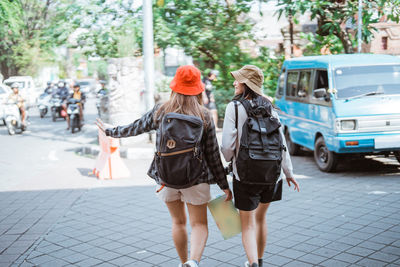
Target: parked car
point(341, 104)
point(87, 85)
point(5, 91)
point(27, 88)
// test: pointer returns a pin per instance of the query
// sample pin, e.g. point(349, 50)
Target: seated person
point(18, 99)
point(77, 94)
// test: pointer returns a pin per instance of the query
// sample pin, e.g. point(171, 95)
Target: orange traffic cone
point(109, 164)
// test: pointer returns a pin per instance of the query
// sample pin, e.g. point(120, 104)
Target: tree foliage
point(111, 29)
point(30, 30)
point(333, 15)
point(212, 32)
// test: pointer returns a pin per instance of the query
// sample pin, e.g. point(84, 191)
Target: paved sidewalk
point(348, 218)
point(334, 221)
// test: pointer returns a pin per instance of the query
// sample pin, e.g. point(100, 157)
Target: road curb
point(125, 152)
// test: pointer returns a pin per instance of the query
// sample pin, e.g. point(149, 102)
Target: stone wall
point(126, 85)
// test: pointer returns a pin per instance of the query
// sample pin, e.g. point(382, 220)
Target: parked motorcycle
point(13, 118)
point(73, 113)
point(44, 104)
point(57, 110)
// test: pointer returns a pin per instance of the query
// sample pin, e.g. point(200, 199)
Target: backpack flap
point(180, 132)
point(271, 125)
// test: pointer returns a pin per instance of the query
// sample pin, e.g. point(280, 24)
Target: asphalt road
point(43, 157)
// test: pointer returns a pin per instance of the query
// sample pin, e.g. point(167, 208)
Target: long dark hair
point(247, 94)
point(250, 94)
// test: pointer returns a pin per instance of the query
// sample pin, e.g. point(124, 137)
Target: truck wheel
point(293, 148)
point(42, 113)
point(53, 117)
point(326, 160)
point(397, 155)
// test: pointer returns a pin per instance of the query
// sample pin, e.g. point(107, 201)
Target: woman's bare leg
point(199, 235)
point(179, 233)
point(261, 228)
point(249, 238)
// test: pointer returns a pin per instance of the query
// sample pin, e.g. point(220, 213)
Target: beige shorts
point(195, 195)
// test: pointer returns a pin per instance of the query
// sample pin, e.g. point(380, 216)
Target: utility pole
point(359, 34)
point(148, 53)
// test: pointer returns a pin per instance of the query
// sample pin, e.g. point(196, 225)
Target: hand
point(228, 194)
point(294, 182)
point(102, 125)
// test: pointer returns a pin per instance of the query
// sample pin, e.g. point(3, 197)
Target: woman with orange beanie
point(187, 160)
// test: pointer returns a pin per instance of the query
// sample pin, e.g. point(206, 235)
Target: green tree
point(10, 14)
point(333, 15)
point(30, 31)
point(208, 30)
point(211, 32)
point(111, 28)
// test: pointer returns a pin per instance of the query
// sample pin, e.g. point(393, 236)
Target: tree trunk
point(346, 41)
point(7, 71)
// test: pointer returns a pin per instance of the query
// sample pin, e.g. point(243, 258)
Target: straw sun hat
point(252, 76)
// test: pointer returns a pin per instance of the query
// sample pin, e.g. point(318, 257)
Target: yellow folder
point(225, 216)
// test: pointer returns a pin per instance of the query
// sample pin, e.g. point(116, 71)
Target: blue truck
point(341, 104)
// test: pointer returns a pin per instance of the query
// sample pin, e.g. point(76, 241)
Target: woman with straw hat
point(252, 200)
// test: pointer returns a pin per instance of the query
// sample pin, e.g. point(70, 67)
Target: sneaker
point(190, 263)
point(247, 264)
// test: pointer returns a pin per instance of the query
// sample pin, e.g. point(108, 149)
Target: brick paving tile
point(333, 263)
point(277, 260)
point(88, 262)
point(346, 257)
point(371, 263)
point(391, 250)
point(384, 257)
point(55, 263)
point(298, 264)
point(121, 261)
point(312, 258)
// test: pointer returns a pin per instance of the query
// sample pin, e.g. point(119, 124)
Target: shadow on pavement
point(86, 172)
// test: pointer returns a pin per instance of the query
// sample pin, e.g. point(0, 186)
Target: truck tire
point(397, 155)
point(326, 160)
point(293, 148)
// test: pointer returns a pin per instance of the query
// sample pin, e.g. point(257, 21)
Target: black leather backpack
point(260, 151)
point(179, 156)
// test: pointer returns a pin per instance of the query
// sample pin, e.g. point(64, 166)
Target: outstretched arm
point(145, 124)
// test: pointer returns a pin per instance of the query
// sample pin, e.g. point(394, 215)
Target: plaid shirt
point(147, 123)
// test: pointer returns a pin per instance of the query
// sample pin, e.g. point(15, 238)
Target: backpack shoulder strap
point(236, 123)
point(247, 105)
point(236, 113)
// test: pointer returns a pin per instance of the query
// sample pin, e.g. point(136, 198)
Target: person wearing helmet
point(49, 88)
point(103, 90)
point(18, 99)
point(77, 94)
point(208, 96)
point(62, 90)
